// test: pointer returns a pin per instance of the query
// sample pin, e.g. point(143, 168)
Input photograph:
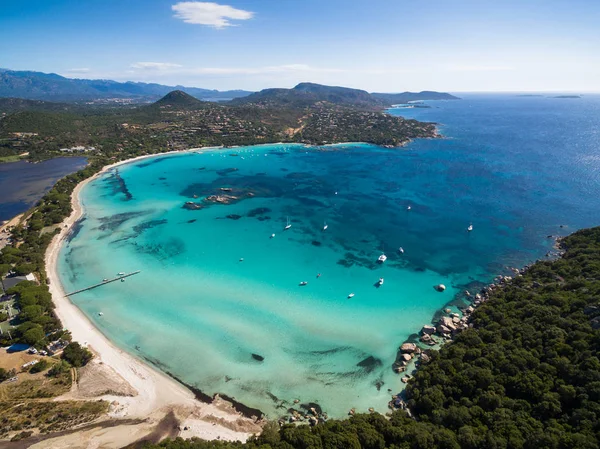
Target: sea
point(22, 184)
point(219, 301)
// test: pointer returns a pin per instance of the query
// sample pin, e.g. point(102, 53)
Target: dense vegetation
point(309, 113)
point(527, 375)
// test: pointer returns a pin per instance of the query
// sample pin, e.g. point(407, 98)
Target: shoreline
point(157, 393)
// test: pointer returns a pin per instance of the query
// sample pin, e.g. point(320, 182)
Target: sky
point(376, 45)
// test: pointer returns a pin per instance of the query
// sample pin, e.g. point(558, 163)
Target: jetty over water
point(108, 281)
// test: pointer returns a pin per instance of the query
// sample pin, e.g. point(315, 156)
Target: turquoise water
point(513, 168)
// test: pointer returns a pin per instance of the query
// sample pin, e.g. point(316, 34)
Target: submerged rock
point(190, 205)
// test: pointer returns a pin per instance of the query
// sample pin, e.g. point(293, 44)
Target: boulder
point(425, 338)
point(407, 357)
point(408, 348)
point(425, 358)
point(447, 322)
point(440, 287)
point(428, 329)
point(443, 329)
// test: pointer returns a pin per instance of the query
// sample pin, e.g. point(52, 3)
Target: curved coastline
point(157, 393)
point(154, 386)
point(156, 390)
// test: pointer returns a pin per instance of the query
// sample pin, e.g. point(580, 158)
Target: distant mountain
point(179, 99)
point(405, 97)
point(307, 94)
point(52, 87)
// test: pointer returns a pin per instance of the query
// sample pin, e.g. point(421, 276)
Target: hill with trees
point(308, 94)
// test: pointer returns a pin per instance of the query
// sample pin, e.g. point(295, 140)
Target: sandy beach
point(156, 394)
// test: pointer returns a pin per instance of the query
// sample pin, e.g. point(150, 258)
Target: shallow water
point(202, 313)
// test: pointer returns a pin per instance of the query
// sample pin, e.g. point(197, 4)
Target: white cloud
point(79, 70)
point(208, 13)
point(479, 68)
point(154, 65)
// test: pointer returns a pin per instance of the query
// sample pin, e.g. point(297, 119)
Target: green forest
point(526, 375)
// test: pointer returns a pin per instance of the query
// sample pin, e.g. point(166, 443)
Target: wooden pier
point(118, 278)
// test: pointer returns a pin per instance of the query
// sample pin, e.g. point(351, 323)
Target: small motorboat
point(380, 282)
point(104, 280)
point(325, 226)
point(318, 275)
point(122, 279)
point(120, 274)
point(470, 228)
point(288, 225)
point(408, 208)
point(241, 259)
point(381, 258)
point(100, 314)
point(272, 236)
point(401, 250)
point(303, 283)
point(351, 295)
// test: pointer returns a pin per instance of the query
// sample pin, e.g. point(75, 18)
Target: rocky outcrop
point(408, 348)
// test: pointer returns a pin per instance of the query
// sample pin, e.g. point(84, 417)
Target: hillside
point(405, 97)
point(53, 87)
point(308, 94)
point(179, 99)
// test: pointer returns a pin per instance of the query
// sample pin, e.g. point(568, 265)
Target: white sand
point(157, 393)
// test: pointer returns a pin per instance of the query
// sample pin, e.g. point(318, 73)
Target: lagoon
point(22, 183)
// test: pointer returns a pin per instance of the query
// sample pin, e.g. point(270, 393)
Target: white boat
point(272, 236)
point(351, 295)
point(380, 282)
point(100, 314)
point(104, 280)
point(120, 274)
point(303, 283)
point(408, 208)
point(401, 250)
point(470, 228)
point(382, 258)
point(325, 225)
point(288, 225)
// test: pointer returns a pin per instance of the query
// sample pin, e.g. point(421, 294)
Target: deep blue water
point(517, 168)
point(22, 184)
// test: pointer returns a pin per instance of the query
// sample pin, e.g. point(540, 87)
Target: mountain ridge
point(33, 85)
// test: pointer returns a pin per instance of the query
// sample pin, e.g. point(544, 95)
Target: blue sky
point(377, 45)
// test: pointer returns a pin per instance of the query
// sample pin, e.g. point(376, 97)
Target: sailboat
point(325, 225)
point(288, 225)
